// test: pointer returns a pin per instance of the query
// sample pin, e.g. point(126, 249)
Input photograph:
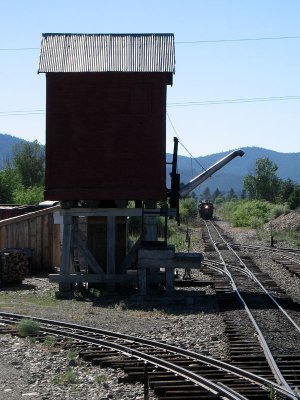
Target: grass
point(72, 354)
point(99, 379)
point(50, 341)
point(23, 301)
point(68, 377)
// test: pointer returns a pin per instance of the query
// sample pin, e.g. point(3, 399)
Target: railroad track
point(169, 371)
point(270, 343)
point(287, 257)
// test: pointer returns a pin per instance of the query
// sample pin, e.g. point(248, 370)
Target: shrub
point(27, 327)
point(251, 212)
point(188, 209)
point(277, 210)
point(294, 199)
point(32, 195)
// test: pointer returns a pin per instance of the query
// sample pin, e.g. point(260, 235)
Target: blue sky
point(205, 71)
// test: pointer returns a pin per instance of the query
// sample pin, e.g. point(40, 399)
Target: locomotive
point(206, 209)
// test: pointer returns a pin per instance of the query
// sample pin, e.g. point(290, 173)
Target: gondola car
point(206, 209)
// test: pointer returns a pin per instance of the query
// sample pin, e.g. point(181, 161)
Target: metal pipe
point(186, 189)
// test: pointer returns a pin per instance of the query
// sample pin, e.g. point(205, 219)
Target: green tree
point(9, 181)
point(28, 160)
point(215, 194)
point(294, 198)
point(22, 179)
point(264, 184)
point(231, 195)
point(205, 195)
point(219, 199)
point(287, 188)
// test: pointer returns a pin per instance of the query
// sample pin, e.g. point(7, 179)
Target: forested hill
point(6, 144)
point(230, 176)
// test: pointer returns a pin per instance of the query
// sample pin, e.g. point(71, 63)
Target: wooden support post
point(169, 279)
point(111, 249)
point(65, 289)
point(142, 281)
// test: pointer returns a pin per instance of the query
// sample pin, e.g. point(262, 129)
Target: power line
point(178, 104)
point(179, 140)
point(267, 38)
point(20, 49)
point(240, 40)
point(21, 113)
point(232, 101)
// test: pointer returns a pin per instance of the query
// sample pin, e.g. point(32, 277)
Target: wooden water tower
point(105, 137)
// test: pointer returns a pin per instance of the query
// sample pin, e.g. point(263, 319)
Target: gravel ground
point(34, 371)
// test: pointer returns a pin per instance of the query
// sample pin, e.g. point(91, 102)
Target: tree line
point(23, 176)
point(22, 181)
point(263, 184)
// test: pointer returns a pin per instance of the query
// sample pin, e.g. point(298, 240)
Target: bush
point(251, 212)
point(27, 327)
point(188, 209)
point(277, 210)
point(246, 213)
point(294, 199)
point(33, 195)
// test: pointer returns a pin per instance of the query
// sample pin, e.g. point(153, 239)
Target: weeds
point(28, 327)
point(272, 394)
point(72, 354)
point(99, 379)
point(68, 377)
point(50, 341)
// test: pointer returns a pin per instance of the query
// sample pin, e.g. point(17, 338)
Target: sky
point(228, 91)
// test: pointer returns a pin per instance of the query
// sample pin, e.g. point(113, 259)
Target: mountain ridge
point(230, 176)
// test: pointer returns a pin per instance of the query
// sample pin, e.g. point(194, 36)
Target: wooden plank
point(38, 249)
point(27, 216)
point(131, 256)
point(95, 278)
point(103, 212)
point(46, 242)
point(32, 243)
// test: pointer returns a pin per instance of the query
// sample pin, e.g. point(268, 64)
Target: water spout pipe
point(189, 187)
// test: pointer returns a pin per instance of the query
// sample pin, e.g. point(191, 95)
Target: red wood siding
point(105, 136)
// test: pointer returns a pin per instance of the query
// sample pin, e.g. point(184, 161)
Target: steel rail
point(225, 367)
point(258, 282)
point(214, 265)
point(268, 354)
point(278, 252)
point(270, 249)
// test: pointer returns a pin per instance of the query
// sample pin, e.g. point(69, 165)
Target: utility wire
point(190, 42)
point(240, 40)
point(20, 49)
point(180, 104)
point(232, 101)
point(21, 113)
point(179, 140)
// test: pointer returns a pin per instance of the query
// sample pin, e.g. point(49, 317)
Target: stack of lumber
point(13, 266)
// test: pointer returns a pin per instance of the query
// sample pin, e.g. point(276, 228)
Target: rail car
point(206, 209)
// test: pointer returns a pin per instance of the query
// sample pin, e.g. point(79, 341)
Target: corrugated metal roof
point(107, 53)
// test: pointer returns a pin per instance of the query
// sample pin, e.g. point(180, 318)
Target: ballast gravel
point(35, 371)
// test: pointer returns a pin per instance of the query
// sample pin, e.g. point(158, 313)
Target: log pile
point(13, 266)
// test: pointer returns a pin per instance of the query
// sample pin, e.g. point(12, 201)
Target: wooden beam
point(94, 278)
point(131, 256)
point(116, 212)
point(90, 259)
point(111, 245)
